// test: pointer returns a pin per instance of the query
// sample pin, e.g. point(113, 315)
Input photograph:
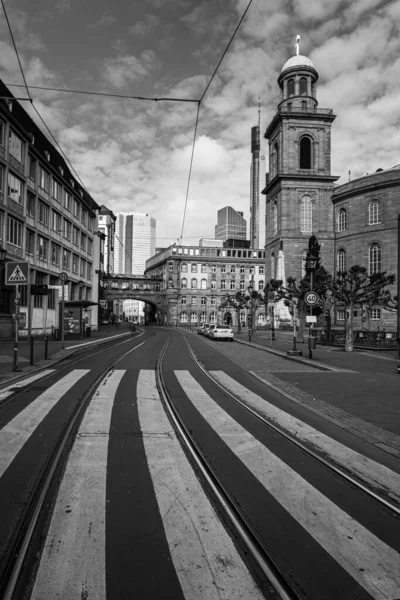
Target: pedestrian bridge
point(132, 287)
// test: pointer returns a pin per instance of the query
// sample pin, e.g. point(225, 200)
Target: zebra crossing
point(74, 561)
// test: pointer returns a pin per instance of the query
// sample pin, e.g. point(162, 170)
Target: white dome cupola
point(297, 81)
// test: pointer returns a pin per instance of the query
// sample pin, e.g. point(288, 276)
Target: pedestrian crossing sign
point(17, 273)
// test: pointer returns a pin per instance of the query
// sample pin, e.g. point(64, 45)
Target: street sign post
point(17, 273)
point(311, 298)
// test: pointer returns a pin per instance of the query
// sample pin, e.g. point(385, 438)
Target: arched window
point(303, 86)
point(204, 268)
point(305, 152)
point(204, 284)
point(194, 268)
point(261, 285)
point(183, 317)
point(274, 219)
point(184, 268)
point(374, 212)
point(303, 263)
point(193, 284)
point(374, 258)
point(193, 319)
point(306, 214)
point(290, 87)
point(213, 317)
point(341, 260)
point(272, 265)
point(342, 220)
point(183, 283)
point(203, 317)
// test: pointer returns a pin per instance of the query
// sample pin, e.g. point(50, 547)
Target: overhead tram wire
point(16, 50)
point(198, 109)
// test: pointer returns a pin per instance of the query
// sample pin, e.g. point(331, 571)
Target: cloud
point(63, 5)
point(127, 68)
point(102, 21)
point(25, 37)
point(203, 19)
point(148, 24)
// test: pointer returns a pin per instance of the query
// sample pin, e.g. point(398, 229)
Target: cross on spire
point(297, 45)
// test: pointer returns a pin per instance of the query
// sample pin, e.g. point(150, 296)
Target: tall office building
point(106, 224)
point(255, 186)
point(230, 224)
point(135, 242)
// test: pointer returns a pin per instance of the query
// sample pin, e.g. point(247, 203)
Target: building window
point(56, 191)
point(305, 153)
point(89, 246)
point(75, 237)
point(242, 286)
point(342, 220)
point(203, 317)
point(213, 317)
point(14, 188)
point(76, 208)
point(184, 268)
point(56, 221)
point(83, 267)
point(90, 223)
point(213, 285)
point(30, 205)
point(203, 300)
point(204, 268)
point(184, 317)
point(55, 254)
point(261, 270)
point(261, 285)
point(194, 301)
point(290, 87)
point(374, 212)
point(44, 179)
point(223, 284)
point(375, 314)
point(213, 268)
point(44, 212)
point(223, 269)
point(233, 285)
point(306, 214)
point(341, 315)
point(374, 259)
point(233, 269)
point(213, 301)
point(83, 242)
point(67, 229)
point(303, 86)
point(75, 259)
point(14, 232)
point(203, 284)
point(42, 248)
point(84, 217)
point(16, 146)
point(66, 259)
point(193, 319)
point(272, 259)
point(67, 201)
point(32, 163)
point(194, 269)
point(183, 300)
point(193, 284)
point(30, 242)
point(89, 272)
point(170, 266)
point(242, 269)
point(341, 260)
point(184, 283)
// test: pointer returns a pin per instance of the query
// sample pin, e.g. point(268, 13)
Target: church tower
point(299, 183)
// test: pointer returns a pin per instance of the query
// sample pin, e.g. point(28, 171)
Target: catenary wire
point(190, 170)
point(16, 50)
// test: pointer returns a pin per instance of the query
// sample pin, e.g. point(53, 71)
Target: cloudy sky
point(134, 155)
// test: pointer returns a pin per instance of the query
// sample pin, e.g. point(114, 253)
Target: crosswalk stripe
point(206, 561)
point(347, 541)
point(73, 562)
point(15, 434)
point(368, 469)
point(10, 389)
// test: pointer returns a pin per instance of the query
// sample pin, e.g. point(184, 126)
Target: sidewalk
point(54, 350)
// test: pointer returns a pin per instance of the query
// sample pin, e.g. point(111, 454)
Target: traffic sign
point(63, 277)
point(311, 298)
point(17, 273)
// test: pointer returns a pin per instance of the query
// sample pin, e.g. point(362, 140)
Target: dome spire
point(297, 45)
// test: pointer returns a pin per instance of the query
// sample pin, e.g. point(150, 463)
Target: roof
point(297, 61)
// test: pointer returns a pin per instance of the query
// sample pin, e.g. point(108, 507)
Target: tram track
point(13, 563)
point(352, 480)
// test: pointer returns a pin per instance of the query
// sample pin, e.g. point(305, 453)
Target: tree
point(354, 288)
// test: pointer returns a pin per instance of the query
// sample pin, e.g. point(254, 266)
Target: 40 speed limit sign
point(311, 298)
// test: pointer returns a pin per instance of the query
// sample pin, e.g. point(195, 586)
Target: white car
point(221, 332)
point(202, 328)
point(208, 330)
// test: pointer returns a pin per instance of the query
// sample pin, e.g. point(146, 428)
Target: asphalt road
point(129, 517)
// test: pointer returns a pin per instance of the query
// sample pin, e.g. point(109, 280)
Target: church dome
point(297, 61)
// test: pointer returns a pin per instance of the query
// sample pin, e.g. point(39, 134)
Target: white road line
point(206, 561)
point(14, 435)
point(73, 562)
point(367, 469)
point(10, 389)
point(346, 540)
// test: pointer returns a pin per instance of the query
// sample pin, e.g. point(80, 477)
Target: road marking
point(73, 562)
point(206, 561)
point(14, 435)
point(346, 540)
point(13, 387)
point(367, 469)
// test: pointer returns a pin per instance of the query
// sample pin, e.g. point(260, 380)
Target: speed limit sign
point(311, 298)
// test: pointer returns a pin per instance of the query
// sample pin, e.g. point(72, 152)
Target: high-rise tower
point(135, 242)
point(255, 184)
point(299, 187)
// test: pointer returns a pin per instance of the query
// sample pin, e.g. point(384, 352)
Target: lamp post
point(311, 262)
point(294, 351)
point(3, 254)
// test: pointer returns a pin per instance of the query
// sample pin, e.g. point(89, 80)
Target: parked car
point(208, 330)
point(221, 332)
point(201, 328)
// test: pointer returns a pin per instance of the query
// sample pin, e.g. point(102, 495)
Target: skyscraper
point(255, 185)
point(135, 242)
point(230, 224)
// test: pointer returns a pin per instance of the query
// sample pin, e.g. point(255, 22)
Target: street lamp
point(311, 263)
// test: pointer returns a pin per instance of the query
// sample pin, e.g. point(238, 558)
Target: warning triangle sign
point(17, 275)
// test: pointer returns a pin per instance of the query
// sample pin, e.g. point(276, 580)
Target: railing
point(361, 338)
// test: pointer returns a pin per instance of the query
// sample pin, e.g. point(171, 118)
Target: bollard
point(46, 347)
point(31, 350)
